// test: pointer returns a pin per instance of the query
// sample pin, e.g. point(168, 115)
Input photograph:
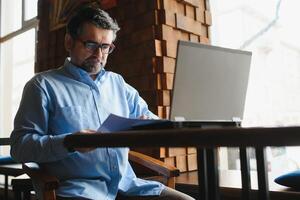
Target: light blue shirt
point(66, 100)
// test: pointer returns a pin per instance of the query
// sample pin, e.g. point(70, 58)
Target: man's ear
point(68, 42)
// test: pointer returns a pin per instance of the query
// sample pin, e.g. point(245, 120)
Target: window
point(270, 30)
point(11, 16)
point(17, 57)
point(30, 10)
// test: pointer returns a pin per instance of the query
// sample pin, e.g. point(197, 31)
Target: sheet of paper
point(116, 123)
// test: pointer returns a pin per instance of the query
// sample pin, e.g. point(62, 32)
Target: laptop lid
point(210, 83)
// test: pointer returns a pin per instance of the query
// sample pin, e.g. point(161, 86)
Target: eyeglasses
point(93, 46)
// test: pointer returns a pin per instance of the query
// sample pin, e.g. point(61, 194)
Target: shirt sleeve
point(30, 140)
point(137, 105)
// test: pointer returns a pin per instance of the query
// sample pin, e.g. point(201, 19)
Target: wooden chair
point(45, 185)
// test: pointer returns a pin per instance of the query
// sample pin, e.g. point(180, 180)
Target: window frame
point(26, 25)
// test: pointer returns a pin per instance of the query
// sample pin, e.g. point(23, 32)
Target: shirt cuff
point(57, 145)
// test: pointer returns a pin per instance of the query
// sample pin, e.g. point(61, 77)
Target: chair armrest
point(37, 175)
point(153, 164)
point(4, 160)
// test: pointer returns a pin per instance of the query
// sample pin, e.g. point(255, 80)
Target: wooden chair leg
point(6, 187)
point(22, 188)
point(17, 194)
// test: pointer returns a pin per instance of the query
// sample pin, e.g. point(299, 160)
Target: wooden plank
point(192, 162)
point(169, 5)
point(181, 163)
point(187, 24)
point(145, 50)
point(159, 112)
point(163, 112)
point(169, 45)
point(153, 152)
point(171, 34)
point(195, 3)
point(194, 38)
point(166, 17)
point(163, 97)
point(167, 112)
point(204, 40)
point(191, 150)
point(204, 30)
point(166, 81)
point(169, 49)
point(208, 20)
point(190, 11)
point(164, 64)
point(184, 36)
point(165, 32)
point(202, 4)
point(180, 8)
point(173, 6)
point(162, 152)
point(169, 64)
point(159, 4)
point(200, 15)
point(170, 161)
point(179, 151)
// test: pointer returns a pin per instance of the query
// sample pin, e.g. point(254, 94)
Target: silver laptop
point(210, 83)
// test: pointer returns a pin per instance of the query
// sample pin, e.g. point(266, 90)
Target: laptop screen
point(210, 83)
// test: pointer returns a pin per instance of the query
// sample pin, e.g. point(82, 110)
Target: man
point(77, 98)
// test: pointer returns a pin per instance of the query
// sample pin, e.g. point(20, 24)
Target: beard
point(92, 65)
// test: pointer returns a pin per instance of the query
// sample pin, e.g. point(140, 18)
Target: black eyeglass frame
point(93, 46)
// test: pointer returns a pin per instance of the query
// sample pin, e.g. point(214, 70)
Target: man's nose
point(98, 52)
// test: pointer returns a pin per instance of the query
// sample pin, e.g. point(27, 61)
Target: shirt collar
point(80, 74)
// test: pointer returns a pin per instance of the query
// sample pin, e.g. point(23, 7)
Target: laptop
point(210, 84)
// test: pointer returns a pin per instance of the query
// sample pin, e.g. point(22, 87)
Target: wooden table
point(206, 140)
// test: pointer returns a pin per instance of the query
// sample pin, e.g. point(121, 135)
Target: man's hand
point(144, 117)
point(87, 149)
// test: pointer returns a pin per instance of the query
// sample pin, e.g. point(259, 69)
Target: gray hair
point(96, 16)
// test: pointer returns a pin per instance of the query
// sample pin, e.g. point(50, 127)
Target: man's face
point(81, 49)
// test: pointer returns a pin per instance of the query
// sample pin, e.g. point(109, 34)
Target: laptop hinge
point(179, 119)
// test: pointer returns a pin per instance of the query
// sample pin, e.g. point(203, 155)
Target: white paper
point(115, 123)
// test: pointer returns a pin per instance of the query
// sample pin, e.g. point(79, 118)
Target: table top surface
point(198, 137)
